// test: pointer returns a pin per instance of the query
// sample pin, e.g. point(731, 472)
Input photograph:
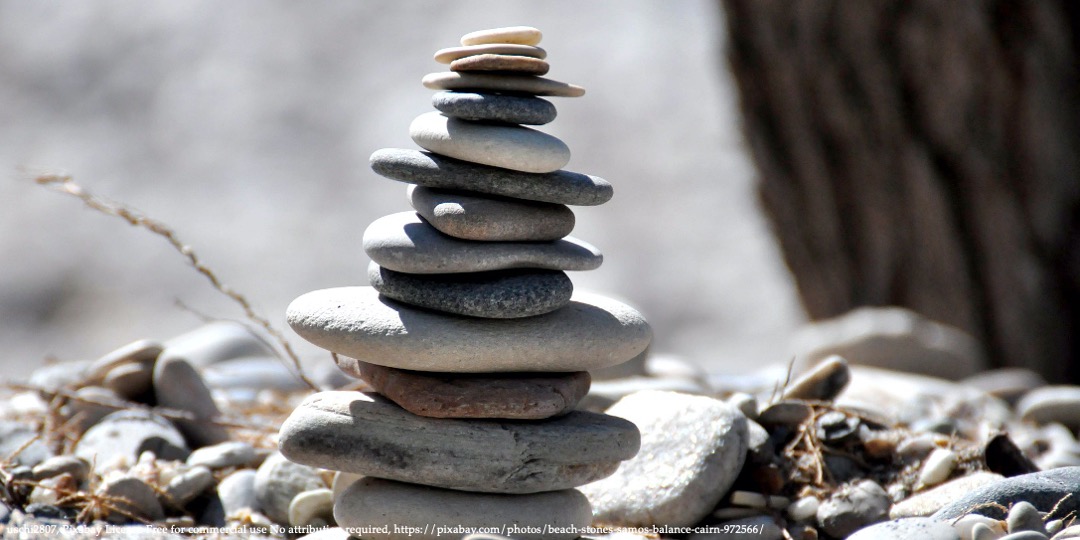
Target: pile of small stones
point(471, 335)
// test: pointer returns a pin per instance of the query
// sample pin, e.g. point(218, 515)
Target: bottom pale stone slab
point(376, 509)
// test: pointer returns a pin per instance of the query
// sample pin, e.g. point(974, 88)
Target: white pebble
point(937, 467)
point(314, 507)
point(965, 526)
point(749, 498)
point(803, 509)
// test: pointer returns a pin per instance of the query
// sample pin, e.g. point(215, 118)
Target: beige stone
point(445, 56)
point(523, 35)
point(493, 82)
point(501, 62)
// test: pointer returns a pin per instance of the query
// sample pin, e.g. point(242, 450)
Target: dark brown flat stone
point(523, 396)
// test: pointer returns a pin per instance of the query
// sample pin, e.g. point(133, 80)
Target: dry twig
point(64, 184)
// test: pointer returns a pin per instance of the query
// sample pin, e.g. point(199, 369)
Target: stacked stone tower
point(471, 333)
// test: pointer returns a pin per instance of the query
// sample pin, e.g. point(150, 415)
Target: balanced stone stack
point(471, 333)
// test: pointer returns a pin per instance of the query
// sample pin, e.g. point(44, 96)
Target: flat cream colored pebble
point(445, 56)
point(522, 35)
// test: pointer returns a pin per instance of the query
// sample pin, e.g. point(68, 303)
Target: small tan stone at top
point(522, 35)
point(445, 56)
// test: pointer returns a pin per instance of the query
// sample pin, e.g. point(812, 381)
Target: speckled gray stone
point(1042, 489)
point(528, 110)
point(510, 147)
point(367, 434)
point(128, 434)
point(433, 170)
point(411, 512)
point(492, 82)
point(500, 294)
point(470, 216)
point(518, 396)
point(406, 243)
point(278, 480)
point(692, 449)
point(589, 333)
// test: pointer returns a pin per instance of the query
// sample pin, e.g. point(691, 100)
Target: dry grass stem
point(64, 184)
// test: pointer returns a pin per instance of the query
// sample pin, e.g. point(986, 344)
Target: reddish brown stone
point(525, 396)
point(501, 62)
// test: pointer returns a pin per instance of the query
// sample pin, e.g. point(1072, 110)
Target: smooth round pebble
point(187, 485)
point(143, 351)
point(528, 110)
point(278, 480)
point(432, 170)
point(907, 529)
point(498, 82)
point(517, 148)
point(804, 509)
point(591, 332)
point(980, 531)
point(131, 496)
point(127, 434)
point(237, 492)
point(312, 508)
point(503, 63)
point(522, 35)
point(1024, 517)
point(177, 385)
point(453, 395)
point(373, 502)
point(449, 54)
point(214, 342)
point(367, 434)
point(498, 294)
point(824, 381)
point(130, 381)
point(404, 242)
point(471, 216)
point(853, 507)
point(703, 442)
point(1051, 404)
point(938, 466)
point(221, 455)
point(77, 467)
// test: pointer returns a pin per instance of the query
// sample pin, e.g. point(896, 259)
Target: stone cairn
point(471, 333)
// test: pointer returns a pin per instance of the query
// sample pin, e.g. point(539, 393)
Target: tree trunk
point(923, 154)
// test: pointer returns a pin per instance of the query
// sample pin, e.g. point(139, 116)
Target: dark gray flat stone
point(502, 294)
point(495, 108)
point(432, 170)
point(1042, 489)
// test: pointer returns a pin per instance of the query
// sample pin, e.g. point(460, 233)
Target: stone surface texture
point(474, 217)
point(516, 148)
point(692, 449)
point(498, 294)
point(591, 332)
point(369, 435)
point(531, 396)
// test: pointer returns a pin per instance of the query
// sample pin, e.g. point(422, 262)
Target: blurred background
point(246, 126)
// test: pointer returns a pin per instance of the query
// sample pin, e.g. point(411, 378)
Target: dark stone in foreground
point(491, 107)
point(1042, 489)
point(501, 294)
point(433, 170)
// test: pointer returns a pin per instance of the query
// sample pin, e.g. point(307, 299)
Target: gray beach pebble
point(406, 243)
point(471, 216)
point(432, 170)
point(499, 294)
point(495, 108)
point(367, 434)
point(591, 332)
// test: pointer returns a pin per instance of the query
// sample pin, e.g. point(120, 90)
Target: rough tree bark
point(923, 153)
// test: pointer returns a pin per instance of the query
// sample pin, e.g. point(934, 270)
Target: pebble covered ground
point(890, 427)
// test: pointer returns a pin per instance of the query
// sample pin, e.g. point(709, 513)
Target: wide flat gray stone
point(492, 82)
point(411, 512)
point(907, 529)
point(589, 333)
point(517, 396)
point(511, 147)
point(406, 243)
point(470, 216)
point(367, 434)
point(692, 449)
point(495, 108)
point(499, 294)
point(433, 170)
